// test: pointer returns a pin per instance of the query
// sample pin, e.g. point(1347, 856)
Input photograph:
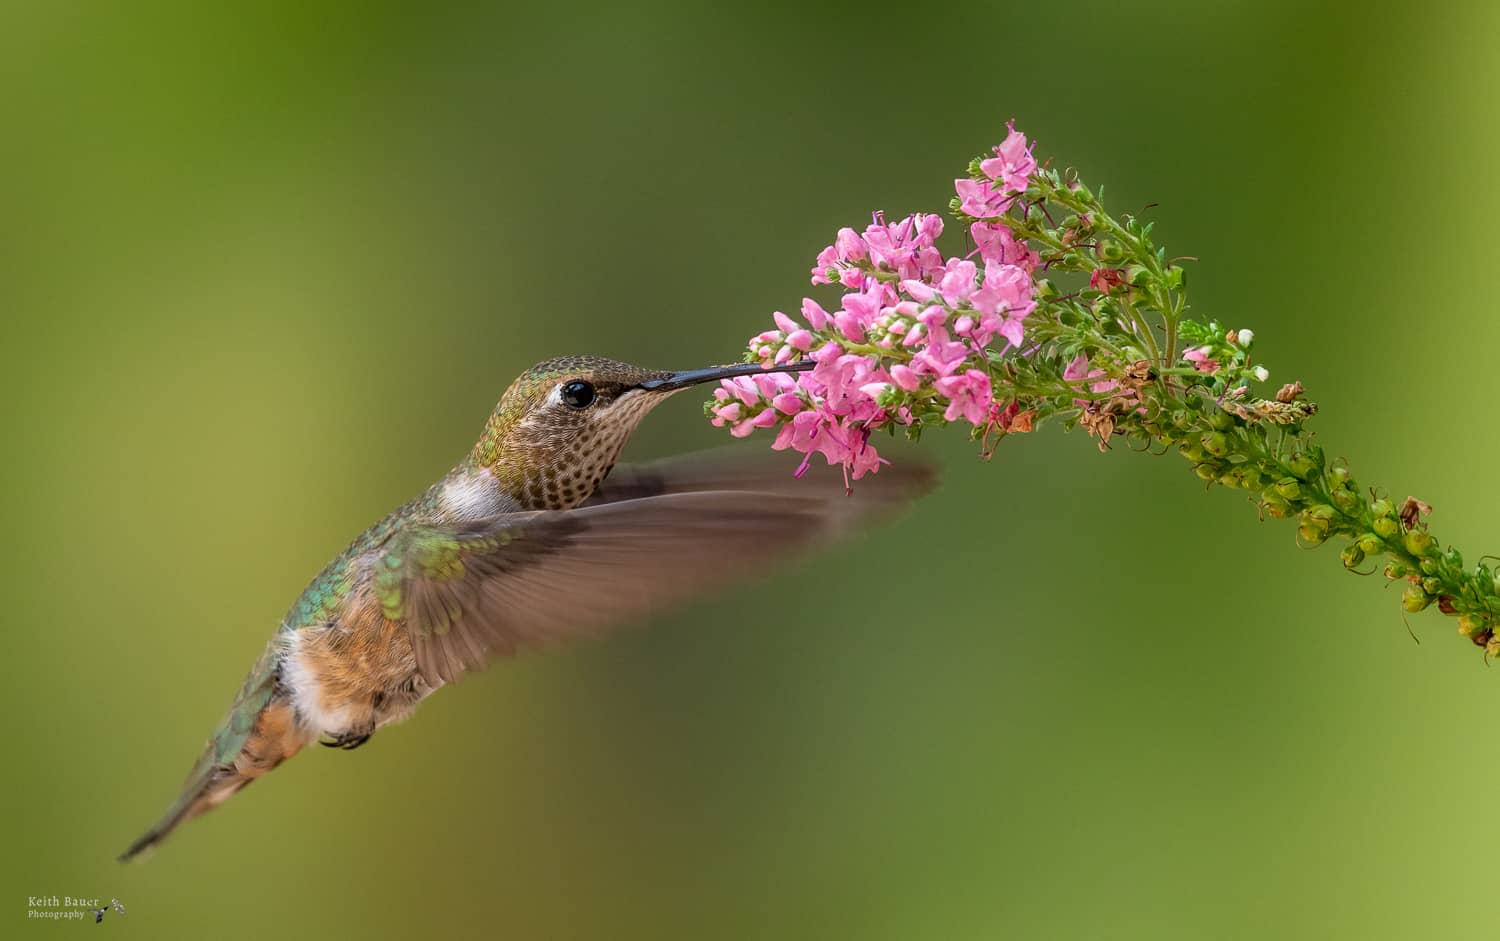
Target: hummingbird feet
point(348, 741)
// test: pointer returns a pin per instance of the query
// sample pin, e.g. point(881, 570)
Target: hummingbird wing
point(677, 529)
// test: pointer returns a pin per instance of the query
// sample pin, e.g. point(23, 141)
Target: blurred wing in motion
point(654, 535)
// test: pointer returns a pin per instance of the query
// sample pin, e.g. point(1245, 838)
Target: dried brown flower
point(1412, 512)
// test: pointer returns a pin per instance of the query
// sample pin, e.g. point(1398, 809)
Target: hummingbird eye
point(577, 394)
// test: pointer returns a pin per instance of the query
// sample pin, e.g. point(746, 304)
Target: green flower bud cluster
point(1295, 480)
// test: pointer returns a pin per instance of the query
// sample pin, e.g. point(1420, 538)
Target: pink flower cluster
point(911, 333)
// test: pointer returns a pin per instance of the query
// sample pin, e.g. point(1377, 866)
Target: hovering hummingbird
point(523, 542)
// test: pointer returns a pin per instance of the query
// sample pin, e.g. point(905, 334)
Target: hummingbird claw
point(348, 741)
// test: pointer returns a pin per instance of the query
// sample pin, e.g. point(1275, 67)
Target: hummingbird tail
point(260, 733)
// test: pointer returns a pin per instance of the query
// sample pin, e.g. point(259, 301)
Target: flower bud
point(1312, 535)
point(1431, 585)
point(1138, 275)
point(1383, 508)
point(1315, 525)
point(1045, 290)
point(1415, 599)
point(1428, 566)
point(1260, 373)
point(1110, 252)
point(1345, 499)
point(1322, 512)
point(1303, 466)
point(1246, 337)
point(1417, 543)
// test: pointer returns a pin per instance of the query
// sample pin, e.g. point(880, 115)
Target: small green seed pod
point(1415, 599)
point(1345, 499)
point(1417, 543)
point(1312, 534)
point(1303, 467)
point(1386, 528)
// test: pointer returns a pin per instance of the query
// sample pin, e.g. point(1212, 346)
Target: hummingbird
point(534, 536)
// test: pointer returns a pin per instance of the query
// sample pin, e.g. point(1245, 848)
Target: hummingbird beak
point(692, 377)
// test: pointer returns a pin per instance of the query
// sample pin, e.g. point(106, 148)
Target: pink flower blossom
point(979, 199)
point(787, 403)
point(904, 378)
point(969, 395)
point(814, 314)
point(905, 247)
point(957, 283)
point(1198, 356)
point(1004, 302)
point(912, 329)
point(1012, 163)
point(996, 243)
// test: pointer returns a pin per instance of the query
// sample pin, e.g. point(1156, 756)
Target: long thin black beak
point(692, 377)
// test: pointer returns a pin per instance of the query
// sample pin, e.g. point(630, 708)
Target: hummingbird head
point(561, 425)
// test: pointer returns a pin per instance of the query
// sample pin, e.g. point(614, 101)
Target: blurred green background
point(268, 267)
